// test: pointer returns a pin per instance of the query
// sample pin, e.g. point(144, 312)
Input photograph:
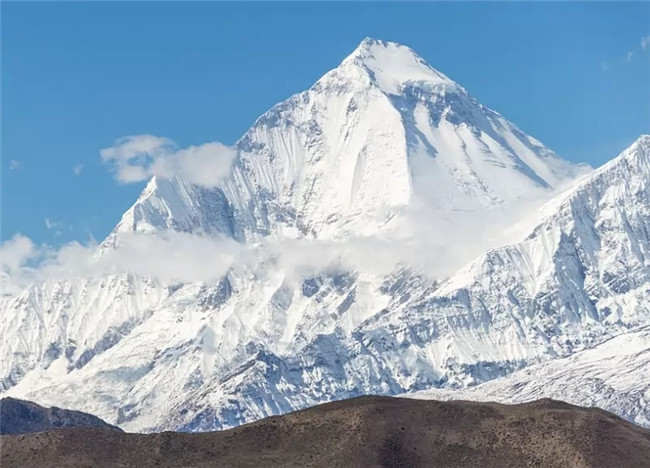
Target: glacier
point(381, 149)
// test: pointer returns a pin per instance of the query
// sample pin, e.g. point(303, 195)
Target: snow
point(381, 146)
point(346, 156)
point(393, 65)
point(611, 376)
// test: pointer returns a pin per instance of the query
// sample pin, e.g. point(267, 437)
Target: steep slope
point(259, 342)
point(548, 296)
point(20, 416)
point(363, 143)
point(368, 431)
point(73, 320)
point(612, 375)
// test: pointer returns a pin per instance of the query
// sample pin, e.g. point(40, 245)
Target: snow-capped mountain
point(376, 143)
point(378, 133)
point(612, 375)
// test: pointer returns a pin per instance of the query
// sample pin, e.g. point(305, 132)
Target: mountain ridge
point(345, 156)
point(266, 338)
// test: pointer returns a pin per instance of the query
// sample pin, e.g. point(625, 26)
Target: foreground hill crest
point(367, 431)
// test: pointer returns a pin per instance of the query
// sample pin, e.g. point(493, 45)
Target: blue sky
point(77, 76)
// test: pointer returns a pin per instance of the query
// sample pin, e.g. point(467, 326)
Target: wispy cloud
point(630, 55)
point(54, 226)
point(14, 164)
point(172, 257)
point(76, 170)
point(51, 224)
point(644, 44)
point(139, 157)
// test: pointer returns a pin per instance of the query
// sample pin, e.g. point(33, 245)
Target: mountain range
point(391, 235)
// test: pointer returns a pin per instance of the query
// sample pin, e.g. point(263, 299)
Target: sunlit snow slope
point(379, 138)
point(380, 132)
point(612, 375)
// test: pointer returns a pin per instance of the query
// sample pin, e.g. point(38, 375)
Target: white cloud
point(14, 256)
point(78, 169)
point(14, 164)
point(171, 256)
point(175, 256)
point(629, 55)
point(168, 257)
point(435, 248)
point(54, 225)
point(139, 157)
point(15, 252)
point(51, 224)
point(645, 42)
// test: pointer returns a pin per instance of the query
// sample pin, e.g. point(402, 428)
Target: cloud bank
point(139, 157)
point(429, 241)
point(435, 248)
point(167, 257)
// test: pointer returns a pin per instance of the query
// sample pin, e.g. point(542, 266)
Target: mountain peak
point(392, 65)
point(378, 134)
point(368, 43)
